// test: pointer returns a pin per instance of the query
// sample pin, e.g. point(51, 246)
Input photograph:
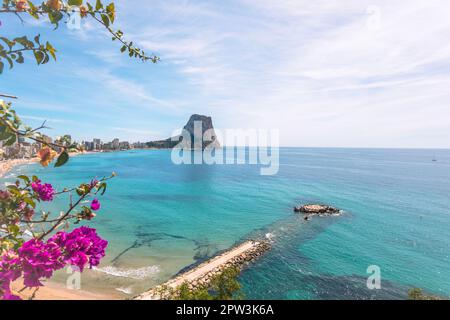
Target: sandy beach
point(53, 291)
point(8, 165)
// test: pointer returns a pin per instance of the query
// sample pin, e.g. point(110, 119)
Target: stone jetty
point(201, 275)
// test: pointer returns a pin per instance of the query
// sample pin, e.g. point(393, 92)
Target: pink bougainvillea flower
point(9, 267)
point(4, 195)
point(37, 260)
point(80, 243)
point(10, 270)
point(44, 191)
point(95, 205)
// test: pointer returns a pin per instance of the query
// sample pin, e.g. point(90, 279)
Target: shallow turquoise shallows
point(160, 218)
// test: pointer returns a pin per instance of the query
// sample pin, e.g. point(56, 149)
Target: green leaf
point(105, 19)
point(20, 58)
point(75, 2)
point(46, 58)
point(51, 50)
point(13, 189)
point(111, 10)
point(62, 159)
point(98, 5)
point(39, 55)
point(24, 178)
point(14, 229)
point(2, 66)
point(24, 42)
point(9, 142)
point(8, 42)
point(102, 188)
point(10, 62)
point(55, 17)
point(30, 202)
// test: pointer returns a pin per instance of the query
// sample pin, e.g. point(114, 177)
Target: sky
point(350, 73)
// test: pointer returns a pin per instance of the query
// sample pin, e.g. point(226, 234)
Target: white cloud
point(326, 73)
point(347, 73)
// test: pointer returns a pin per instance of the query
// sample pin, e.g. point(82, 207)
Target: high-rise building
point(115, 144)
point(97, 144)
point(124, 145)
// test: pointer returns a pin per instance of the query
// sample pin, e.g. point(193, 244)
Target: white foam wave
point(128, 290)
point(270, 236)
point(137, 274)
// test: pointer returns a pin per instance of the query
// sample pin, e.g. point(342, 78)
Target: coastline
point(7, 165)
point(53, 291)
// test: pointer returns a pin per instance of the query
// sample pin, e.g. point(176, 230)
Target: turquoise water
point(160, 218)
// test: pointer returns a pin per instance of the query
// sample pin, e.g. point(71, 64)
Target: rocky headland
point(197, 139)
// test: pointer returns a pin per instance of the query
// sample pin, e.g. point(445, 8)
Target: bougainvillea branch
point(28, 254)
point(12, 50)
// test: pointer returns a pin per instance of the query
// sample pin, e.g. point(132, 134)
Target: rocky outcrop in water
point(317, 209)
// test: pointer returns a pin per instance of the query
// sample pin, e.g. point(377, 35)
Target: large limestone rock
point(192, 138)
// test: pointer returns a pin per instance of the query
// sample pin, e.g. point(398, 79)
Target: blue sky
point(350, 73)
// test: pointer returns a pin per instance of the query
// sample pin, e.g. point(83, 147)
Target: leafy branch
point(56, 11)
point(83, 191)
point(18, 46)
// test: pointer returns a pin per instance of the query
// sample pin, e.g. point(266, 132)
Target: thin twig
point(62, 218)
point(20, 18)
point(34, 293)
point(8, 96)
point(46, 221)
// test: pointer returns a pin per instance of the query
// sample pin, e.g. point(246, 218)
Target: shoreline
point(7, 166)
point(52, 291)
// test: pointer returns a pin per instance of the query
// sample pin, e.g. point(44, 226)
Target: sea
point(160, 218)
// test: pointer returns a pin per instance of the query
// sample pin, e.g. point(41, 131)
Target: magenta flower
point(5, 291)
point(44, 191)
point(81, 247)
point(9, 266)
point(37, 260)
point(9, 272)
point(95, 205)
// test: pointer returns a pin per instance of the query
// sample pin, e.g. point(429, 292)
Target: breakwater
point(201, 275)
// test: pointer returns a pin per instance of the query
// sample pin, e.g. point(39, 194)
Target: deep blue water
point(160, 218)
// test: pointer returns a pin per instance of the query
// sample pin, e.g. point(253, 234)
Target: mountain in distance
point(196, 141)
